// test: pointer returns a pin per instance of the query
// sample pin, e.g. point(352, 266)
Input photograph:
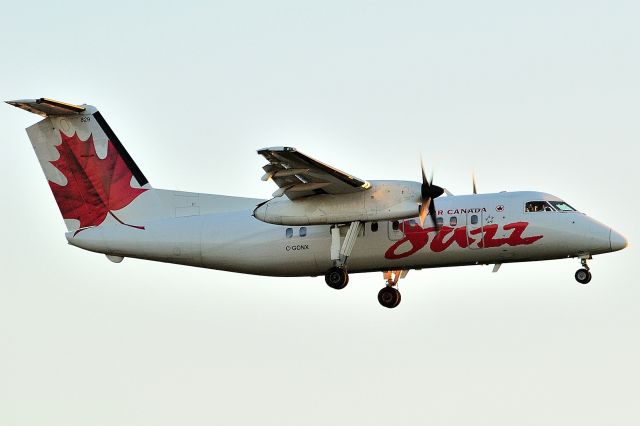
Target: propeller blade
point(429, 192)
point(473, 177)
point(425, 189)
point(424, 175)
point(432, 213)
point(424, 210)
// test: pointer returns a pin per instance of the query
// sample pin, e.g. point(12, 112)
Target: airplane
point(320, 220)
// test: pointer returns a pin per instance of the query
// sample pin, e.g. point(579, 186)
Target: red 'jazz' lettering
point(459, 236)
point(515, 239)
point(415, 235)
point(417, 238)
point(489, 233)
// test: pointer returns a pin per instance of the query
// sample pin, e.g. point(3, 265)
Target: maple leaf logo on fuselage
point(94, 186)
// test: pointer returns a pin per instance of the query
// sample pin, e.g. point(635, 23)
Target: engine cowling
point(384, 200)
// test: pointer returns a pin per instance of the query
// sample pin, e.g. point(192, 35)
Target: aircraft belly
point(174, 240)
point(372, 257)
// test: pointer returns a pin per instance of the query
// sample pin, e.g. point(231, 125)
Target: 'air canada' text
point(416, 238)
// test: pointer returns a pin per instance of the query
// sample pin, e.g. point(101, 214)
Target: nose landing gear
point(389, 296)
point(583, 276)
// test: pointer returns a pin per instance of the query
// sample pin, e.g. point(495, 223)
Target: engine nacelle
point(384, 200)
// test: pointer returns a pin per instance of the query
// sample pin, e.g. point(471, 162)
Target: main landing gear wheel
point(389, 297)
point(583, 276)
point(336, 278)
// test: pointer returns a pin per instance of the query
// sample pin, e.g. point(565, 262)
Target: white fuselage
point(220, 232)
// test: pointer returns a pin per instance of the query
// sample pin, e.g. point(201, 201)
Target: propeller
point(428, 192)
point(473, 178)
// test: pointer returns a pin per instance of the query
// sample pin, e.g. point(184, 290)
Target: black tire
point(389, 297)
point(583, 276)
point(398, 298)
point(336, 278)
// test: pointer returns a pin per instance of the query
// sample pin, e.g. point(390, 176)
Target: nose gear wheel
point(583, 276)
point(389, 297)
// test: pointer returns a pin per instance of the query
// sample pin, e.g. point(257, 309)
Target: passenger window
point(374, 226)
point(303, 231)
point(412, 222)
point(289, 232)
point(453, 221)
point(395, 225)
point(474, 219)
point(537, 206)
point(439, 221)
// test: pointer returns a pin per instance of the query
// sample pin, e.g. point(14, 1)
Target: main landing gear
point(337, 276)
point(583, 276)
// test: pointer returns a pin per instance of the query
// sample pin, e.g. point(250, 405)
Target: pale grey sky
point(532, 95)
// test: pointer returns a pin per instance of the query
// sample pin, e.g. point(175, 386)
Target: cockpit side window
point(561, 206)
point(538, 206)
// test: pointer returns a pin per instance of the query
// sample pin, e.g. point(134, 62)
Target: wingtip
point(277, 149)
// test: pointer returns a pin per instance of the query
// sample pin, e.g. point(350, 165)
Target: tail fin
point(91, 175)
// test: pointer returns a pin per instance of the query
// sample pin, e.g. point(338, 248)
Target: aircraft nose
point(617, 240)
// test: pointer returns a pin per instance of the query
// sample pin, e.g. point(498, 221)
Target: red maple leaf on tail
point(94, 186)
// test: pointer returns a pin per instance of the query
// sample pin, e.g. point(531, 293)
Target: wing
point(298, 175)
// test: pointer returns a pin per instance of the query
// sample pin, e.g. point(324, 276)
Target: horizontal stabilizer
point(47, 107)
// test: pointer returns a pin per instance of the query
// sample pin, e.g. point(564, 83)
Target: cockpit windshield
point(537, 206)
point(562, 206)
point(547, 206)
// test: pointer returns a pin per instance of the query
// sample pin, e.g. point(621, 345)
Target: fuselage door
point(396, 230)
point(475, 230)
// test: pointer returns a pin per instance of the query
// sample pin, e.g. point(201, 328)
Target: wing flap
point(299, 175)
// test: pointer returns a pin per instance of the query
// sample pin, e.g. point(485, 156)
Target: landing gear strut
point(583, 276)
point(337, 276)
